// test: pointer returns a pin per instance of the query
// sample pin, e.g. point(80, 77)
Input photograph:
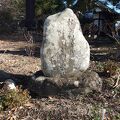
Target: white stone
point(10, 84)
point(64, 51)
point(76, 83)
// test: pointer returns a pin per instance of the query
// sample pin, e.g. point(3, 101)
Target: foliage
point(5, 10)
point(46, 6)
point(110, 68)
point(15, 7)
point(13, 98)
point(5, 15)
point(5, 21)
point(10, 12)
point(95, 113)
point(18, 8)
point(51, 6)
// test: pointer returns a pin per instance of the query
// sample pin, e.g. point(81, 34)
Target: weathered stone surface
point(42, 86)
point(64, 51)
point(90, 81)
point(86, 83)
point(9, 84)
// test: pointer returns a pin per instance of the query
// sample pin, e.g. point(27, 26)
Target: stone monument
point(64, 51)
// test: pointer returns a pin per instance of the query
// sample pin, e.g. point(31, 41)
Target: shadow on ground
point(35, 52)
point(21, 44)
point(17, 78)
point(101, 48)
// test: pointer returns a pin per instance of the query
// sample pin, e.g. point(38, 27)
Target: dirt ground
point(14, 57)
point(15, 60)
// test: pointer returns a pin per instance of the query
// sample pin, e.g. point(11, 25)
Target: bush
point(10, 12)
point(13, 98)
point(47, 6)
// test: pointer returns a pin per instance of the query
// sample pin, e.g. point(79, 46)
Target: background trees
point(46, 6)
point(15, 9)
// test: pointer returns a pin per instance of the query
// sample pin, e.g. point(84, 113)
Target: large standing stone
point(64, 52)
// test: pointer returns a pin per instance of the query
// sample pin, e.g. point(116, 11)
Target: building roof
point(108, 5)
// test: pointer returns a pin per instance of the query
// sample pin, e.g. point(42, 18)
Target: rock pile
point(65, 56)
